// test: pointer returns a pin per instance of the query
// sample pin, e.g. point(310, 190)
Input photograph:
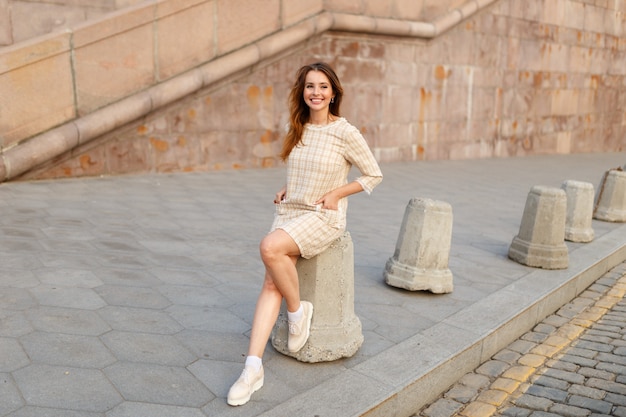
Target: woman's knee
point(273, 246)
point(268, 249)
point(278, 245)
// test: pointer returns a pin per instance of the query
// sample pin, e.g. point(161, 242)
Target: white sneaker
point(299, 331)
point(249, 381)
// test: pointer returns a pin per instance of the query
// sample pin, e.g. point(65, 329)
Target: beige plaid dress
point(316, 166)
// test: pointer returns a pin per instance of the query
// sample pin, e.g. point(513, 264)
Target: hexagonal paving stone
point(68, 277)
point(126, 296)
point(148, 348)
point(16, 299)
point(58, 296)
point(30, 411)
point(131, 409)
point(12, 356)
point(65, 387)
point(67, 350)
point(141, 320)
point(11, 398)
point(158, 384)
point(14, 323)
point(67, 320)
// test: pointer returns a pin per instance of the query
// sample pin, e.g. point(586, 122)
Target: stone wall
point(6, 35)
point(53, 79)
point(28, 19)
point(415, 10)
point(515, 77)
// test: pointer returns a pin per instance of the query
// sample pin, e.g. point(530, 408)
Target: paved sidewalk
point(571, 364)
point(133, 296)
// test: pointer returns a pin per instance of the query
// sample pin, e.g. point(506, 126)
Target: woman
point(320, 148)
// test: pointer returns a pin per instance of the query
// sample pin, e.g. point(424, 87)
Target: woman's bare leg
point(279, 254)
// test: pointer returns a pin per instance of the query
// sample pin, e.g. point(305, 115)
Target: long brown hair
point(299, 111)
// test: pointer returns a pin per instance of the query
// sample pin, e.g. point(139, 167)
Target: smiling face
point(318, 91)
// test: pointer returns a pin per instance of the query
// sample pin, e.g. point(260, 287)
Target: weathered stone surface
point(420, 261)
point(540, 241)
point(327, 281)
point(192, 27)
point(513, 95)
point(41, 70)
point(295, 10)
point(113, 58)
point(579, 211)
point(6, 35)
point(611, 198)
point(240, 22)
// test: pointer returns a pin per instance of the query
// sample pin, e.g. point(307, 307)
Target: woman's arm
point(359, 154)
point(331, 199)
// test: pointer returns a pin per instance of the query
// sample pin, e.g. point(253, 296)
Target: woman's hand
point(280, 196)
point(329, 201)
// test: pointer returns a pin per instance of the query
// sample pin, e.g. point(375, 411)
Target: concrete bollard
point(580, 197)
point(327, 281)
point(540, 241)
point(420, 261)
point(611, 199)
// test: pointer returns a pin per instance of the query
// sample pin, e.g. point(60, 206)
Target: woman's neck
point(321, 118)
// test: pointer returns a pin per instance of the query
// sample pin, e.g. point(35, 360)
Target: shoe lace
point(245, 375)
point(294, 328)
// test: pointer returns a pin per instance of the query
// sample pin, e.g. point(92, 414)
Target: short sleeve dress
point(316, 166)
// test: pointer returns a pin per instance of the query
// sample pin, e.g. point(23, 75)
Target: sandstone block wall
point(28, 19)
point(511, 78)
point(6, 34)
point(53, 79)
point(32, 18)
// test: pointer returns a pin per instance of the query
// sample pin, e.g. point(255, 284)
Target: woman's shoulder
point(342, 124)
point(342, 121)
point(348, 131)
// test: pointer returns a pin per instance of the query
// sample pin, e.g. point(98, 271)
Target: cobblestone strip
point(572, 364)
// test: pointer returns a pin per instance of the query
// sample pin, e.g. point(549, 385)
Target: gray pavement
point(573, 363)
point(133, 296)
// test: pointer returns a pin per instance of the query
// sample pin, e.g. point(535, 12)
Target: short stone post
point(327, 281)
point(541, 239)
point(611, 199)
point(580, 197)
point(420, 261)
